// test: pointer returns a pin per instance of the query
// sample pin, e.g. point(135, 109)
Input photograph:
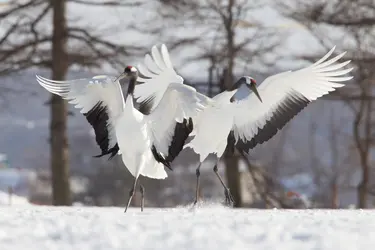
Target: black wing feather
point(159, 158)
point(292, 104)
point(146, 106)
point(181, 133)
point(98, 118)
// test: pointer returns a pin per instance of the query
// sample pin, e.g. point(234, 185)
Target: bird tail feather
point(154, 170)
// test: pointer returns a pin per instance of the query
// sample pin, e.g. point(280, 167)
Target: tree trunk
point(362, 188)
point(59, 144)
point(230, 158)
point(211, 80)
point(364, 150)
point(334, 195)
point(233, 175)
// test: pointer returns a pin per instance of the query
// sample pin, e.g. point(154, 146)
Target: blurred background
point(321, 159)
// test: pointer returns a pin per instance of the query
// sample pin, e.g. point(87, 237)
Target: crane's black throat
point(131, 87)
point(238, 84)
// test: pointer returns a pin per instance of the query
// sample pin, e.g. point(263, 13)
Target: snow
point(15, 200)
point(208, 227)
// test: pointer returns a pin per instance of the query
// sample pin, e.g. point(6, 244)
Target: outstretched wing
point(171, 122)
point(99, 99)
point(156, 74)
point(284, 95)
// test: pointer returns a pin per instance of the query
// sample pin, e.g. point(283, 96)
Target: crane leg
point(131, 193)
point(197, 173)
point(228, 197)
point(142, 189)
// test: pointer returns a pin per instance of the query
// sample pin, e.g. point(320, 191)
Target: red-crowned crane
point(146, 143)
point(258, 117)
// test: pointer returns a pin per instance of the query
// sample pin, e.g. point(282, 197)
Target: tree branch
point(113, 3)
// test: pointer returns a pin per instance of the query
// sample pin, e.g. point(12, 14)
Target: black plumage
point(289, 107)
point(98, 118)
point(181, 133)
point(113, 151)
point(159, 158)
point(145, 107)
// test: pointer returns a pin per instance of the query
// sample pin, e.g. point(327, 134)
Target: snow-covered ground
point(15, 200)
point(209, 227)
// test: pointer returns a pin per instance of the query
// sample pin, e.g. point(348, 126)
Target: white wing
point(156, 74)
point(99, 99)
point(284, 95)
point(169, 122)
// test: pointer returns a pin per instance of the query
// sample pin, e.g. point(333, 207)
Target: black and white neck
point(131, 87)
point(243, 80)
point(131, 73)
point(248, 81)
point(234, 88)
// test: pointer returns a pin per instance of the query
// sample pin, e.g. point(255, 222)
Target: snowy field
point(209, 227)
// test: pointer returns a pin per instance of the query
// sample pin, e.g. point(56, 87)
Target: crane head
point(129, 72)
point(252, 85)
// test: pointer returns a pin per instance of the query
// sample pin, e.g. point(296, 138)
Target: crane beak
point(122, 75)
point(253, 88)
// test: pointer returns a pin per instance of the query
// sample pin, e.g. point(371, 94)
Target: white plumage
point(251, 121)
point(157, 75)
point(92, 94)
point(146, 140)
point(125, 125)
point(308, 83)
point(146, 143)
point(249, 116)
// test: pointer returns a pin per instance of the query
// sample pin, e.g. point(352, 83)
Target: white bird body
point(146, 143)
point(252, 121)
point(136, 145)
point(257, 118)
point(206, 139)
point(123, 118)
point(101, 100)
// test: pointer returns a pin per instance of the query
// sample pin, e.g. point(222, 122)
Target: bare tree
point(213, 28)
point(350, 25)
point(29, 42)
point(330, 158)
point(59, 142)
